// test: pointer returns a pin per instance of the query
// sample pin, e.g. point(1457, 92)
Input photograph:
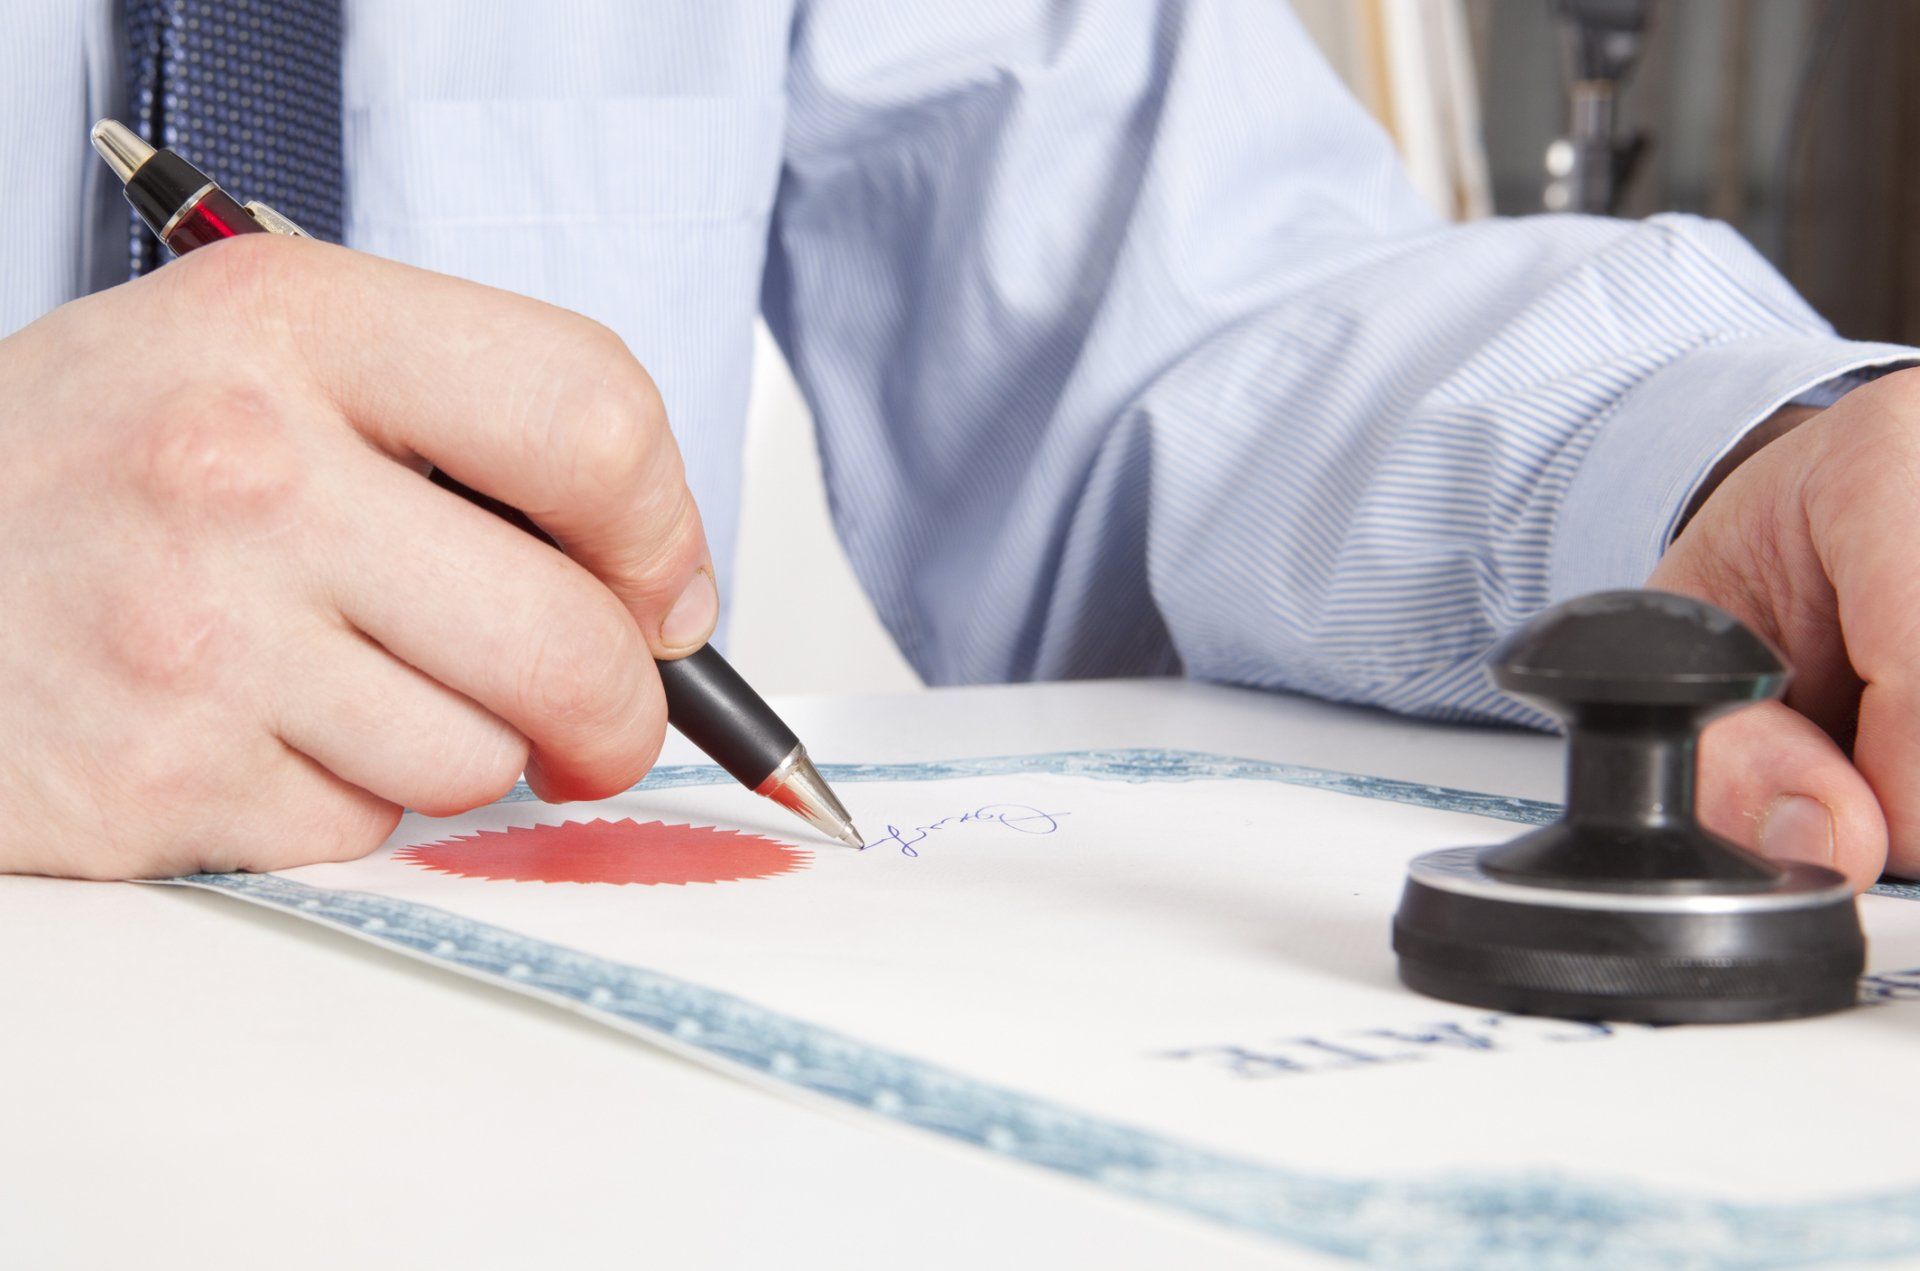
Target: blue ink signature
point(1017, 817)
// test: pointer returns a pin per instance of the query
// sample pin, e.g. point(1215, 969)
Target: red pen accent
point(213, 216)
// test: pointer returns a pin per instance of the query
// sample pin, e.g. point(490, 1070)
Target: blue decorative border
point(1134, 766)
point(1167, 765)
point(1533, 1220)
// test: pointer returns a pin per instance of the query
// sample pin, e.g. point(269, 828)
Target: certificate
point(1169, 974)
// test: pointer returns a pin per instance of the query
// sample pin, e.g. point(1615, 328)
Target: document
point(1169, 973)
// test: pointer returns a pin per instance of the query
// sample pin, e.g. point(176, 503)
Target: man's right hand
point(240, 629)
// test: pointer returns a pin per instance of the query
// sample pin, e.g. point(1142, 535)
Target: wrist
point(1650, 450)
point(1758, 438)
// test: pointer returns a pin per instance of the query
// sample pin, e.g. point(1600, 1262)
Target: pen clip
point(273, 222)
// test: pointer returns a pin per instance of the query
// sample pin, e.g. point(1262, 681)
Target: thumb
point(1772, 781)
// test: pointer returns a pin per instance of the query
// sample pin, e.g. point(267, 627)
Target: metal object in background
point(1589, 167)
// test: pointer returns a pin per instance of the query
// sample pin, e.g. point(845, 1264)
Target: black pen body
point(721, 713)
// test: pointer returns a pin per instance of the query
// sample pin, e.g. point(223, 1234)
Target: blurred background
point(1796, 121)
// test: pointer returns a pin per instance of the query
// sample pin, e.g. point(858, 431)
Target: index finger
point(537, 406)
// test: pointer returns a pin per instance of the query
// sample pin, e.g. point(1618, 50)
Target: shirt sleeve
point(1131, 350)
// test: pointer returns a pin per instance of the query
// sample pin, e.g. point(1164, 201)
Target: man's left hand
point(1814, 541)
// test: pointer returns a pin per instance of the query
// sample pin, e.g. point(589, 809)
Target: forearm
point(1091, 405)
point(1359, 491)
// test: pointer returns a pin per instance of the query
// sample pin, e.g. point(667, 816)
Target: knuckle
point(352, 832)
point(158, 769)
point(327, 821)
point(224, 453)
point(656, 568)
point(639, 761)
point(580, 659)
point(561, 690)
point(621, 768)
point(480, 769)
point(683, 547)
point(165, 639)
point(616, 435)
point(168, 787)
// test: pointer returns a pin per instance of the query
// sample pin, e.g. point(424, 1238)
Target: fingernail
point(1798, 828)
point(692, 618)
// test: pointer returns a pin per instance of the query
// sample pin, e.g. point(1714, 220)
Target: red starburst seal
point(599, 851)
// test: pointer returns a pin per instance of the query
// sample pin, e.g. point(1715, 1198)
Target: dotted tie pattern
point(249, 92)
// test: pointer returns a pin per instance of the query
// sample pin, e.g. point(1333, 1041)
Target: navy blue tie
point(249, 92)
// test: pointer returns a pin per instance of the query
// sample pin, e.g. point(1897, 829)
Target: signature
point(1017, 817)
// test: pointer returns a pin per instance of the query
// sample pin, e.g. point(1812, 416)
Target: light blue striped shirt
point(1130, 348)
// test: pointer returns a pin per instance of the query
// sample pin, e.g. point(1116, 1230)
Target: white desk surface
point(188, 1081)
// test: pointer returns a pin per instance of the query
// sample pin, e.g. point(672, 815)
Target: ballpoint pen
point(707, 701)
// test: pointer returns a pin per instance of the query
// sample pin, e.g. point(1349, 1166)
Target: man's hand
point(239, 629)
point(1815, 542)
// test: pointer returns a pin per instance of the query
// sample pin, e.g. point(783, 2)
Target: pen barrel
point(719, 712)
point(214, 215)
point(182, 205)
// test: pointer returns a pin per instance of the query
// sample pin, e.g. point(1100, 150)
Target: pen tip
point(797, 786)
point(120, 146)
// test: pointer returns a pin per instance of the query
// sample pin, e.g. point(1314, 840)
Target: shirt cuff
point(1656, 447)
point(1826, 393)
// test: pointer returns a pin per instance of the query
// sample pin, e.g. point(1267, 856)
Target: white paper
point(1172, 974)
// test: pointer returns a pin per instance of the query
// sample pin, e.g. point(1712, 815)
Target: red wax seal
point(623, 851)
